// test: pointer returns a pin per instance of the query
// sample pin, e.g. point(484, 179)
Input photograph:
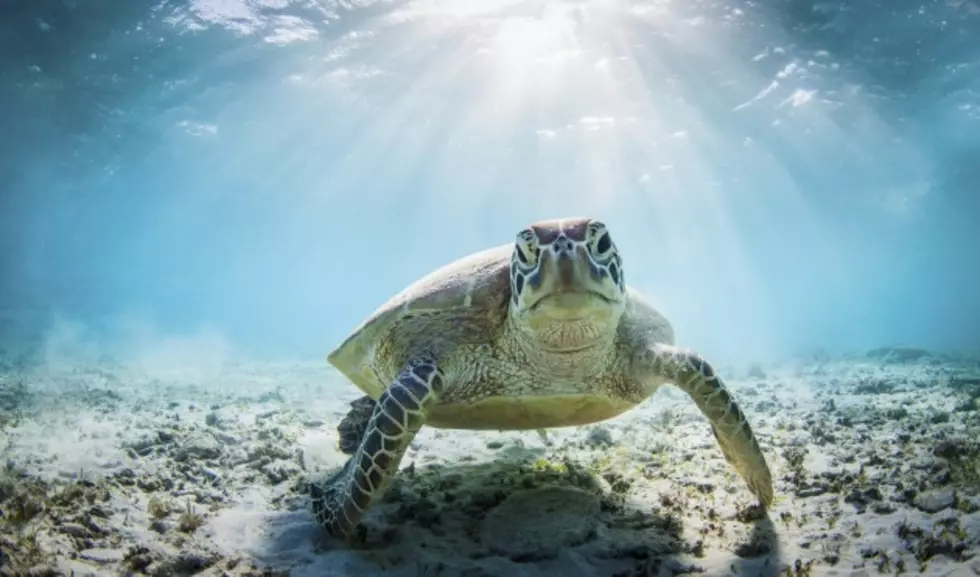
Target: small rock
point(756, 372)
point(142, 446)
point(949, 449)
point(75, 530)
point(51, 543)
point(68, 567)
point(599, 436)
point(540, 523)
point(148, 484)
point(95, 527)
point(883, 508)
point(188, 563)
point(211, 475)
point(198, 445)
point(935, 500)
point(102, 555)
point(861, 498)
point(811, 491)
point(279, 471)
point(225, 438)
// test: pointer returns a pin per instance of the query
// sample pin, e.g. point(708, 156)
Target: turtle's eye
point(599, 240)
point(526, 249)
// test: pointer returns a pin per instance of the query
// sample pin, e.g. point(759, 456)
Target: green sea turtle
point(525, 336)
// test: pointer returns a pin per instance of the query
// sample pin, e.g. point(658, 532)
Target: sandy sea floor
point(112, 469)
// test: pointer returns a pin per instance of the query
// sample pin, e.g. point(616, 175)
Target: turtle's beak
point(566, 277)
point(570, 270)
point(565, 282)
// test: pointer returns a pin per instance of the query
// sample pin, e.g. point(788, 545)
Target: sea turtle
point(525, 336)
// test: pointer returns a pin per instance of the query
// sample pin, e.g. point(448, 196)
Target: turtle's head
point(566, 280)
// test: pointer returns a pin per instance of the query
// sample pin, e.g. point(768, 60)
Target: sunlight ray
point(693, 126)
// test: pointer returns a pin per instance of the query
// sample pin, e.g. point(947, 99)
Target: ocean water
point(199, 199)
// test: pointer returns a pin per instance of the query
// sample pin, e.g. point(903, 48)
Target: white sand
point(870, 485)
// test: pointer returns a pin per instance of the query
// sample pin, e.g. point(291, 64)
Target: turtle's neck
point(574, 350)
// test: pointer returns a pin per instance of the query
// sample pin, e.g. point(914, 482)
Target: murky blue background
point(780, 175)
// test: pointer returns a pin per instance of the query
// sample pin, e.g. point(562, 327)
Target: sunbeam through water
point(323, 154)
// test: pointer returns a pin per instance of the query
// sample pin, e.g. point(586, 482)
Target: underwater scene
point(474, 288)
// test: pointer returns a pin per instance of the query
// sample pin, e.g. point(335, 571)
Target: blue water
point(780, 176)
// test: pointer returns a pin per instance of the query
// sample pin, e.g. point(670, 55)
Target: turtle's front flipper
point(695, 376)
point(399, 413)
point(352, 427)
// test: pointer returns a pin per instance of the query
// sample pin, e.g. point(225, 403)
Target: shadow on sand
point(517, 515)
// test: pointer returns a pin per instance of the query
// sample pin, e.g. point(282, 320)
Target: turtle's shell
point(464, 302)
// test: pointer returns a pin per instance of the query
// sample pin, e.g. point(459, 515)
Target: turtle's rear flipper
point(353, 425)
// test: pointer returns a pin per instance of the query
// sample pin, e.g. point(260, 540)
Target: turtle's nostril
point(563, 245)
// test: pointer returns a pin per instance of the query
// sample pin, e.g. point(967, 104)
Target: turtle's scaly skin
point(397, 417)
point(542, 333)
